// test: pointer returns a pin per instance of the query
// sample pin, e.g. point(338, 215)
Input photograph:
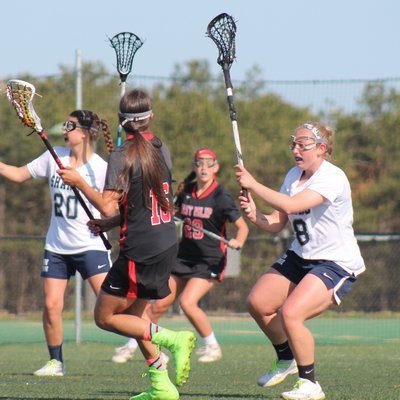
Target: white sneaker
point(304, 390)
point(51, 368)
point(211, 353)
point(279, 371)
point(200, 351)
point(123, 353)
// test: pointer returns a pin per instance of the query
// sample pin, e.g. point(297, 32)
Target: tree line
point(191, 111)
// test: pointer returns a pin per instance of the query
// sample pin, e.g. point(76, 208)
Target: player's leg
point(53, 290)
point(264, 302)
point(195, 290)
point(161, 386)
point(310, 298)
point(118, 295)
point(154, 311)
point(161, 306)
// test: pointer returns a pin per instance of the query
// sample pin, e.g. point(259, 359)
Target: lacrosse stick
point(222, 30)
point(125, 45)
point(20, 94)
point(212, 235)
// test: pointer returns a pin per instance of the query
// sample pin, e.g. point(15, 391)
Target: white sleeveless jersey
point(68, 232)
point(325, 232)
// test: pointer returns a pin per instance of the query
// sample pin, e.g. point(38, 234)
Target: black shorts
point(136, 280)
point(187, 269)
point(334, 276)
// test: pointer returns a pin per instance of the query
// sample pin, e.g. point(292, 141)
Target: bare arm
point(241, 234)
point(272, 223)
point(15, 174)
point(106, 202)
point(302, 201)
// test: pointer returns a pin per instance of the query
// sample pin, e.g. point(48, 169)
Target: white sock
point(210, 339)
point(132, 343)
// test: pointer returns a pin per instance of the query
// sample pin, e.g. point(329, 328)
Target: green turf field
point(356, 359)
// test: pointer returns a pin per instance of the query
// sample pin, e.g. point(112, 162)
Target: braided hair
point(91, 121)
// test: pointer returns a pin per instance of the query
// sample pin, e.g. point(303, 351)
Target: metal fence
point(377, 289)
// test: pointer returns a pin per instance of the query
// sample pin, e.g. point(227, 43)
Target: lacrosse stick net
point(222, 30)
point(21, 94)
point(125, 44)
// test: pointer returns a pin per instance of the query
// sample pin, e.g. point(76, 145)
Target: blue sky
point(287, 39)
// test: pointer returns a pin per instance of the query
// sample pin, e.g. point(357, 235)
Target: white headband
point(316, 133)
point(135, 117)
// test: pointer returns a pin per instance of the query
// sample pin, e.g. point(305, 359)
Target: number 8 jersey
point(68, 232)
point(325, 232)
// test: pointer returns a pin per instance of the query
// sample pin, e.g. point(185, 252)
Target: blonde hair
point(325, 133)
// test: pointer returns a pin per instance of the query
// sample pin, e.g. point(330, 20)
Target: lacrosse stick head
point(20, 94)
point(222, 30)
point(125, 44)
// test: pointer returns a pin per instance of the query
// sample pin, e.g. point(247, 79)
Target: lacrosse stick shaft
point(232, 111)
point(45, 140)
point(212, 235)
point(119, 131)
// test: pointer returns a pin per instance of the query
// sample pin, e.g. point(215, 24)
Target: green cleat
point(180, 344)
point(161, 387)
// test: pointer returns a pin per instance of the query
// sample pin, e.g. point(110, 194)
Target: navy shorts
point(334, 277)
point(63, 266)
point(136, 280)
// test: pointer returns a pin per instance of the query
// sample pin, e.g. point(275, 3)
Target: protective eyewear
point(69, 126)
point(301, 145)
point(204, 162)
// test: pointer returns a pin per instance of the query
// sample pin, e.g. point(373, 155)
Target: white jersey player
point(69, 246)
point(321, 264)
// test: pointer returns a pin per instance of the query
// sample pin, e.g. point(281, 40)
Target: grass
point(347, 369)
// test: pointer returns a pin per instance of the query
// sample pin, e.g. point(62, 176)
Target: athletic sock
point(307, 372)
point(150, 330)
point(55, 352)
point(210, 339)
point(156, 363)
point(283, 351)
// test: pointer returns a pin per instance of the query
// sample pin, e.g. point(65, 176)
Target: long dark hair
point(141, 151)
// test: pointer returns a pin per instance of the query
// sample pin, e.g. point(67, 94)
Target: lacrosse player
point(138, 185)
point(70, 246)
point(321, 264)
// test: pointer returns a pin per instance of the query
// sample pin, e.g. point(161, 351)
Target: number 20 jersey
point(68, 232)
point(325, 232)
